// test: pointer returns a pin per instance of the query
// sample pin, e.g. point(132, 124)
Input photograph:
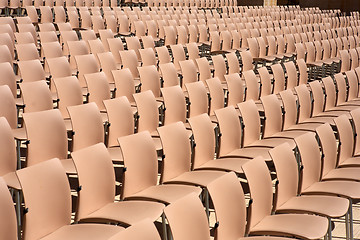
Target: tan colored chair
point(97, 202)
point(235, 87)
point(150, 80)
point(311, 175)
point(129, 60)
point(204, 69)
point(169, 75)
point(124, 83)
point(217, 99)
point(198, 98)
point(262, 222)
point(252, 89)
point(8, 77)
point(49, 206)
point(31, 70)
point(175, 105)
point(86, 64)
point(140, 178)
point(98, 89)
point(59, 67)
point(279, 78)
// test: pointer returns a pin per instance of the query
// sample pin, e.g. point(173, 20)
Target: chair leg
point(329, 235)
point(163, 222)
point(351, 221)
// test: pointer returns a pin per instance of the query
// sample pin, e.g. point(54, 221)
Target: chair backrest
point(47, 197)
point(8, 229)
point(346, 137)
point(266, 82)
point(261, 191)
point(31, 70)
point(286, 172)
point(141, 166)
point(292, 76)
point(176, 149)
point(345, 60)
point(69, 92)
point(133, 43)
point(148, 111)
point(230, 128)
point(279, 78)
point(341, 88)
point(36, 96)
point(216, 94)
point(115, 46)
point(204, 69)
point(97, 191)
point(87, 125)
point(235, 89)
point(198, 98)
point(7, 147)
point(59, 67)
point(163, 54)
point(148, 57)
point(130, 61)
point(233, 63)
point(98, 88)
point(169, 74)
point(86, 64)
point(247, 61)
point(47, 136)
point(141, 230)
point(328, 147)
point(8, 77)
point(303, 74)
point(187, 219)
point(220, 67)
point(310, 158)
point(251, 122)
point(290, 105)
point(178, 54)
point(150, 79)
point(252, 89)
point(273, 112)
point(189, 72)
point(353, 84)
point(124, 83)
point(121, 119)
point(330, 91)
point(175, 104)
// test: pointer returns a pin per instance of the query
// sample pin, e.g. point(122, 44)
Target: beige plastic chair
point(311, 175)
point(141, 230)
point(279, 78)
point(228, 197)
point(59, 67)
point(108, 64)
point(148, 57)
point(286, 198)
point(262, 222)
point(97, 202)
point(292, 75)
point(77, 48)
point(252, 86)
point(178, 54)
point(219, 66)
point(133, 43)
point(49, 206)
point(235, 87)
point(163, 54)
point(233, 63)
point(189, 72)
point(329, 149)
point(8, 228)
point(115, 46)
point(140, 178)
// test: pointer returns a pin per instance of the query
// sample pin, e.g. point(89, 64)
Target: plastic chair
point(204, 69)
point(86, 64)
point(124, 83)
point(252, 89)
point(235, 87)
point(148, 57)
point(169, 75)
point(55, 190)
point(178, 54)
point(219, 66)
point(150, 79)
point(198, 98)
point(262, 222)
point(163, 54)
point(107, 64)
point(189, 72)
point(88, 161)
point(115, 46)
point(216, 95)
point(27, 52)
point(130, 61)
point(142, 169)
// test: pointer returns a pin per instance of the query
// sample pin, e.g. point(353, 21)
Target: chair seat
point(126, 212)
point(249, 153)
point(351, 174)
point(290, 134)
point(69, 166)
point(165, 193)
point(84, 231)
point(19, 134)
point(341, 188)
point(309, 126)
point(298, 225)
point(116, 154)
point(263, 238)
point(12, 180)
point(273, 142)
point(225, 164)
point(328, 206)
point(351, 162)
point(197, 178)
